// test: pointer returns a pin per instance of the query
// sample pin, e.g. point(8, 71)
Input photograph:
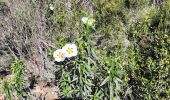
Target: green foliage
point(7, 89)
point(18, 80)
point(16, 83)
point(126, 55)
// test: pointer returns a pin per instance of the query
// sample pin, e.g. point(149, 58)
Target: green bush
point(125, 57)
point(14, 85)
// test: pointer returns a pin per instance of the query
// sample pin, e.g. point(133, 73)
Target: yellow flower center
point(60, 55)
point(70, 50)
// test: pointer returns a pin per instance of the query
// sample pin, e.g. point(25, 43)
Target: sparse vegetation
point(14, 84)
point(125, 54)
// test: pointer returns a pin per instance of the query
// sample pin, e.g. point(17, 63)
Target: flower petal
point(67, 47)
point(57, 55)
point(84, 20)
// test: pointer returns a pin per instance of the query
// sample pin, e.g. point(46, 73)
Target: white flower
point(51, 7)
point(59, 55)
point(70, 50)
point(84, 20)
point(88, 21)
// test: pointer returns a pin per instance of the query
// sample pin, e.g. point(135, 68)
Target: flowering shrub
point(117, 53)
point(89, 49)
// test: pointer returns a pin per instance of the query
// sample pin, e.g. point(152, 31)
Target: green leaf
point(105, 81)
point(120, 72)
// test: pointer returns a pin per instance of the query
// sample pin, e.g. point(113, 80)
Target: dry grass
point(23, 30)
point(23, 36)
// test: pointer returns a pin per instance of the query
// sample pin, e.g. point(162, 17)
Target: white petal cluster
point(89, 21)
point(69, 50)
point(59, 55)
point(51, 7)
